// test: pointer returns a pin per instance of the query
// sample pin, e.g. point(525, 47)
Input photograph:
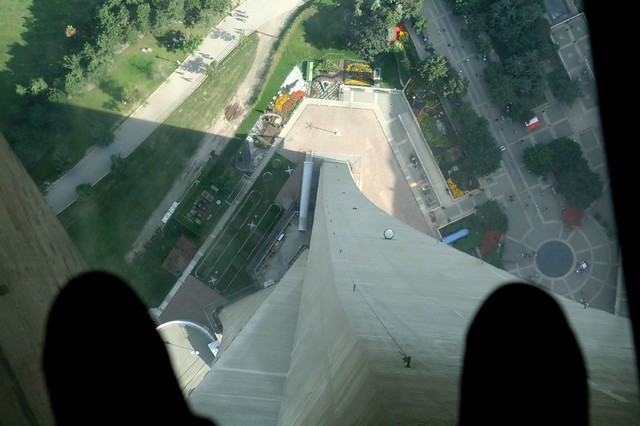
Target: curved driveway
point(245, 19)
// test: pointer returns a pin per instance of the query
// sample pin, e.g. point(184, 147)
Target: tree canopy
point(563, 157)
point(482, 153)
point(370, 26)
point(369, 35)
point(518, 33)
point(492, 217)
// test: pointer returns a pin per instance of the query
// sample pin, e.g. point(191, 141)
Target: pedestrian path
point(245, 19)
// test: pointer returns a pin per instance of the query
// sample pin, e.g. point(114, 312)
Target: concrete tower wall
point(347, 366)
point(329, 379)
point(36, 259)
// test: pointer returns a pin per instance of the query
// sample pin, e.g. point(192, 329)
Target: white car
point(503, 148)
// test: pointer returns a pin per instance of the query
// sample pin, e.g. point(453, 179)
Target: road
point(533, 211)
point(186, 78)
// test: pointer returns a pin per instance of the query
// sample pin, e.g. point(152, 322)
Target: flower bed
point(359, 67)
point(354, 82)
point(298, 95)
point(280, 101)
point(455, 191)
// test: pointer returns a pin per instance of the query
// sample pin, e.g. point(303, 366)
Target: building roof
point(192, 302)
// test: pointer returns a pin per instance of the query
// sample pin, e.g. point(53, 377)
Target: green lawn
point(220, 174)
point(32, 37)
point(105, 225)
point(144, 72)
point(313, 35)
point(51, 133)
point(32, 45)
point(14, 14)
point(233, 249)
point(472, 243)
point(395, 69)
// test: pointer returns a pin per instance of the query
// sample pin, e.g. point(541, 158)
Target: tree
point(563, 87)
point(143, 18)
point(435, 69)
point(492, 217)
point(160, 23)
point(500, 84)
point(172, 9)
point(98, 58)
point(62, 159)
point(84, 190)
point(579, 185)
point(192, 10)
point(130, 95)
point(38, 86)
point(21, 90)
point(420, 24)
point(118, 165)
point(440, 77)
point(191, 43)
point(482, 153)
point(74, 79)
point(210, 68)
point(369, 35)
point(565, 154)
point(537, 159)
point(454, 86)
point(112, 19)
point(101, 134)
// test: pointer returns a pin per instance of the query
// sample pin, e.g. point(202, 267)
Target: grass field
point(246, 231)
point(50, 134)
point(218, 178)
point(105, 225)
point(242, 236)
point(32, 45)
point(32, 37)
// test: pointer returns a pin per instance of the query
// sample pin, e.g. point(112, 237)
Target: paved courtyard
point(356, 136)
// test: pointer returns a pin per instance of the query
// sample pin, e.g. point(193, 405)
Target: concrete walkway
point(245, 19)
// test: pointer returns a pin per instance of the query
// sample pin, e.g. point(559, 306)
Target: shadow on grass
point(327, 28)
point(172, 40)
point(39, 55)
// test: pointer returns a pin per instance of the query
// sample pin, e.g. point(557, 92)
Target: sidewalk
point(178, 87)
